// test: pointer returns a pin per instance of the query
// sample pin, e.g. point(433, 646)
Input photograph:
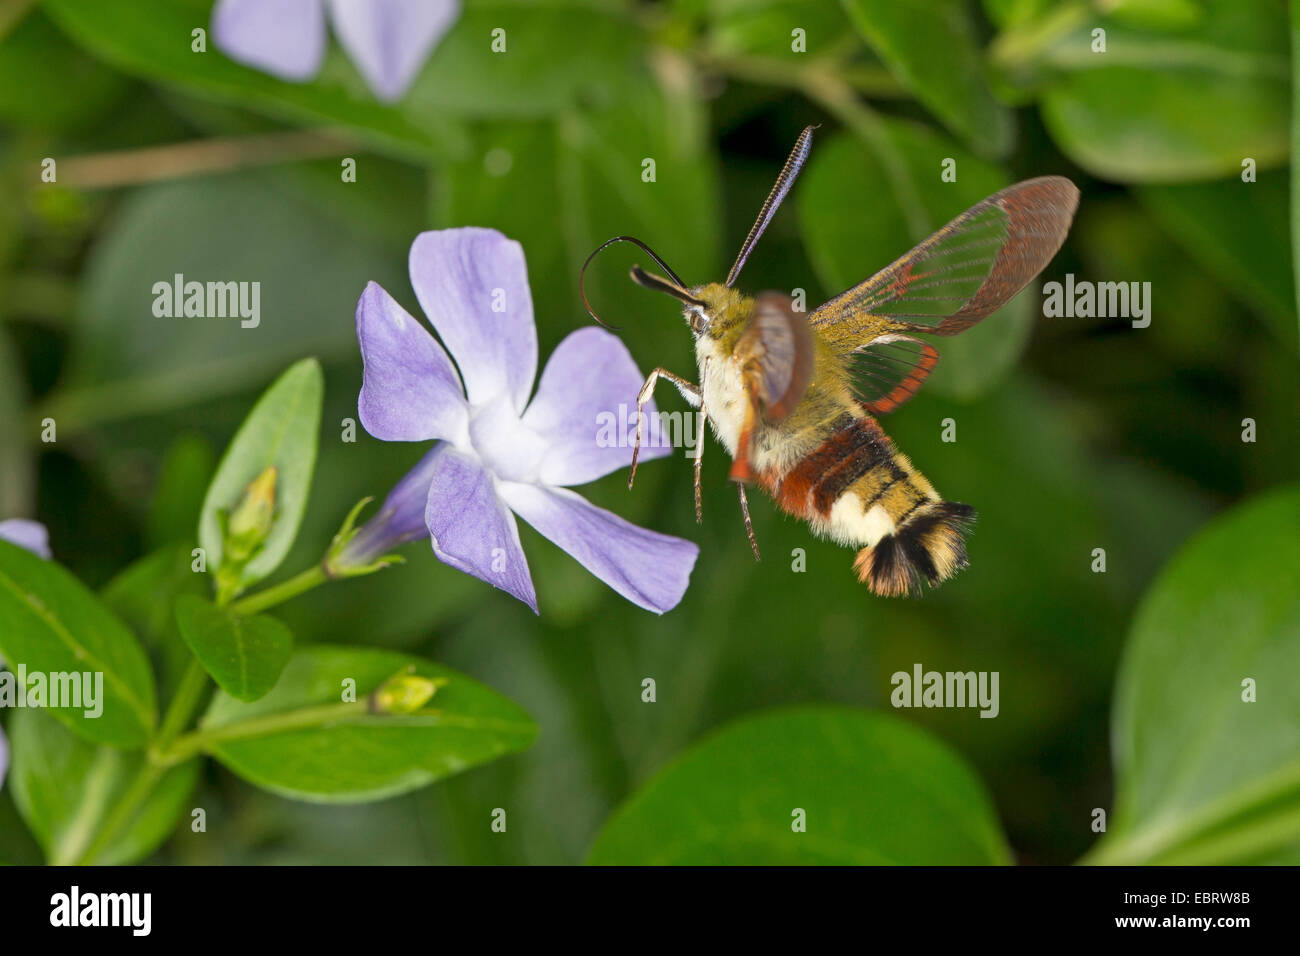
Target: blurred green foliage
point(1072, 434)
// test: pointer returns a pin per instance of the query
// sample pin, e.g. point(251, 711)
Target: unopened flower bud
point(404, 693)
point(250, 522)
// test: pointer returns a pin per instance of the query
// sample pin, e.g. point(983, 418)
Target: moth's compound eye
point(697, 319)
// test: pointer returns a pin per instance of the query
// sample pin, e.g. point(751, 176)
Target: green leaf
point(244, 655)
point(282, 431)
point(1007, 13)
point(17, 462)
point(144, 594)
point(766, 29)
point(66, 788)
point(1210, 96)
point(1204, 776)
point(1295, 145)
point(52, 624)
point(932, 47)
point(1158, 14)
point(304, 740)
point(185, 471)
point(873, 789)
point(853, 227)
point(310, 266)
point(1239, 231)
point(533, 76)
point(151, 39)
point(569, 185)
point(73, 87)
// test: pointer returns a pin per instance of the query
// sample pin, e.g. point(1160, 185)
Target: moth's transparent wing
point(891, 370)
point(967, 270)
point(776, 349)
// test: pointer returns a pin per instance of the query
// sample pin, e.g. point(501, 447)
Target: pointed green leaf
point(313, 736)
point(1210, 96)
point(244, 655)
point(65, 789)
point(932, 47)
point(52, 624)
point(282, 431)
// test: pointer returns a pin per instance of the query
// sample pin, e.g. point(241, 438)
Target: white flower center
point(507, 448)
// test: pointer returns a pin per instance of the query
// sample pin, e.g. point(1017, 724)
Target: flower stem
point(193, 743)
point(125, 809)
point(178, 160)
point(188, 696)
point(185, 701)
point(298, 584)
point(838, 98)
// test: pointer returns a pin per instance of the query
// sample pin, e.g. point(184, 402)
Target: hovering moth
point(794, 397)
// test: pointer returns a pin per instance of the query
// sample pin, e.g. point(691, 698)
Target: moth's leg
point(741, 469)
point(690, 391)
point(700, 420)
point(749, 525)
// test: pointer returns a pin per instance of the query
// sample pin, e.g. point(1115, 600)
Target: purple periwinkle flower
point(32, 536)
point(388, 40)
point(498, 454)
point(26, 534)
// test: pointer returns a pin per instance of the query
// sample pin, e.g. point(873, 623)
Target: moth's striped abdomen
point(856, 487)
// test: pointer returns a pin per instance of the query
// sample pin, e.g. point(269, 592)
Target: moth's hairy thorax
point(773, 448)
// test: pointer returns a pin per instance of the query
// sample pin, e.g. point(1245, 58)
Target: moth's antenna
point(782, 186)
point(605, 245)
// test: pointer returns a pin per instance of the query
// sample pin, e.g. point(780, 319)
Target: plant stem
point(831, 85)
point(186, 700)
point(188, 696)
point(310, 718)
point(193, 743)
point(771, 71)
point(298, 584)
point(837, 97)
point(178, 160)
point(125, 809)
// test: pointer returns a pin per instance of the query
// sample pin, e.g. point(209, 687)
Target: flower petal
point(585, 409)
point(471, 527)
point(27, 534)
point(473, 285)
point(648, 568)
point(399, 519)
point(389, 40)
point(285, 38)
point(410, 390)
